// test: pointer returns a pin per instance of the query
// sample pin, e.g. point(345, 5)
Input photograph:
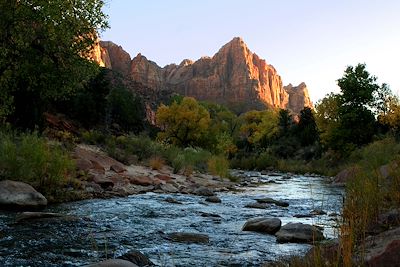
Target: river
point(111, 227)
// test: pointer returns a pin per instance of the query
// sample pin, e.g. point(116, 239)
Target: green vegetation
point(43, 49)
point(30, 158)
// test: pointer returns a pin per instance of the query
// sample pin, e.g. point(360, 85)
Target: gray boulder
point(268, 200)
point(299, 233)
point(204, 191)
point(263, 225)
point(19, 195)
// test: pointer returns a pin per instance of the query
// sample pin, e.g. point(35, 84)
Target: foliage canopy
point(44, 46)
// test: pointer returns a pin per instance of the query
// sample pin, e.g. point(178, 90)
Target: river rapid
point(108, 228)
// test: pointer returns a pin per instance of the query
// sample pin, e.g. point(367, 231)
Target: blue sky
point(305, 40)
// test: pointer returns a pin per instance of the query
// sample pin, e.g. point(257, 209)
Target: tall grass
point(29, 158)
point(368, 194)
point(218, 165)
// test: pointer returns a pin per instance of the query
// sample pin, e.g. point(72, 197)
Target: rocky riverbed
point(174, 229)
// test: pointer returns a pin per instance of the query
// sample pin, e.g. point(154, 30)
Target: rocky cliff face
point(233, 76)
point(298, 97)
point(119, 59)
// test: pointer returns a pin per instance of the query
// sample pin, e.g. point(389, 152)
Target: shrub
point(218, 165)
point(187, 160)
point(156, 162)
point(93, 137)
point(266, 160)
point(29, 158)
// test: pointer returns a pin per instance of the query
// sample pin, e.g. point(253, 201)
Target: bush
point(29, 158)
point(244, 162)
point(218, 165)
point(123, 148)
point(156, 162)
point(266, 160)
point(187, 160)
point(94, 137)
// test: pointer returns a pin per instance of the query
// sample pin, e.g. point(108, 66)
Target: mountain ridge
point(234, 76)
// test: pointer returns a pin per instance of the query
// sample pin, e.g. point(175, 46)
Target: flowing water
point(109, 228)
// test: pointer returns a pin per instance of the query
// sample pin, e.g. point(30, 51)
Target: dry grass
point(156, 162)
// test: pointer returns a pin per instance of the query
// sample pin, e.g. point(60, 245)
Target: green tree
point(356, 120)
point(327, 118)
point(285, 122)
point(307, 128)
point(184, 124)
point(223, 130)
point(43, 51)
point(125, 109)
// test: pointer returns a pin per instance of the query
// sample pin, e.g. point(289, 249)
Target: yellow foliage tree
point(184, 124)
point(258, 125)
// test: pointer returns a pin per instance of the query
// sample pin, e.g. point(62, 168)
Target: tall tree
point(184, 123)
point(356, 120)
point(307, 128)
point(44, 46)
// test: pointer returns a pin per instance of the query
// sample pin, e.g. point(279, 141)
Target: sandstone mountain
point(298, 97)
point(234, 76)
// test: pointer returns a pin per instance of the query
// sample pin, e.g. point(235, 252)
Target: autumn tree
point(43, 51)
point(259, 128)
point(184, 124)
point(327, 118)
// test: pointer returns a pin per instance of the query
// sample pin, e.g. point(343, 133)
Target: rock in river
point(204, 191)
point(137, 258)
point(263, 225)
point(20, 195)
point(269, 200)
point(113, 263)
point(187, 237)
point(299, 233)
point(257, 205)
point(213, 199)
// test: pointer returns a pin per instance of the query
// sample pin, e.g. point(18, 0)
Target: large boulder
point(345, 175)
point(299, 233)
point(263, 225)
point(19, 195)
point(141, 180)
point(383, 250)
point(113, 263)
